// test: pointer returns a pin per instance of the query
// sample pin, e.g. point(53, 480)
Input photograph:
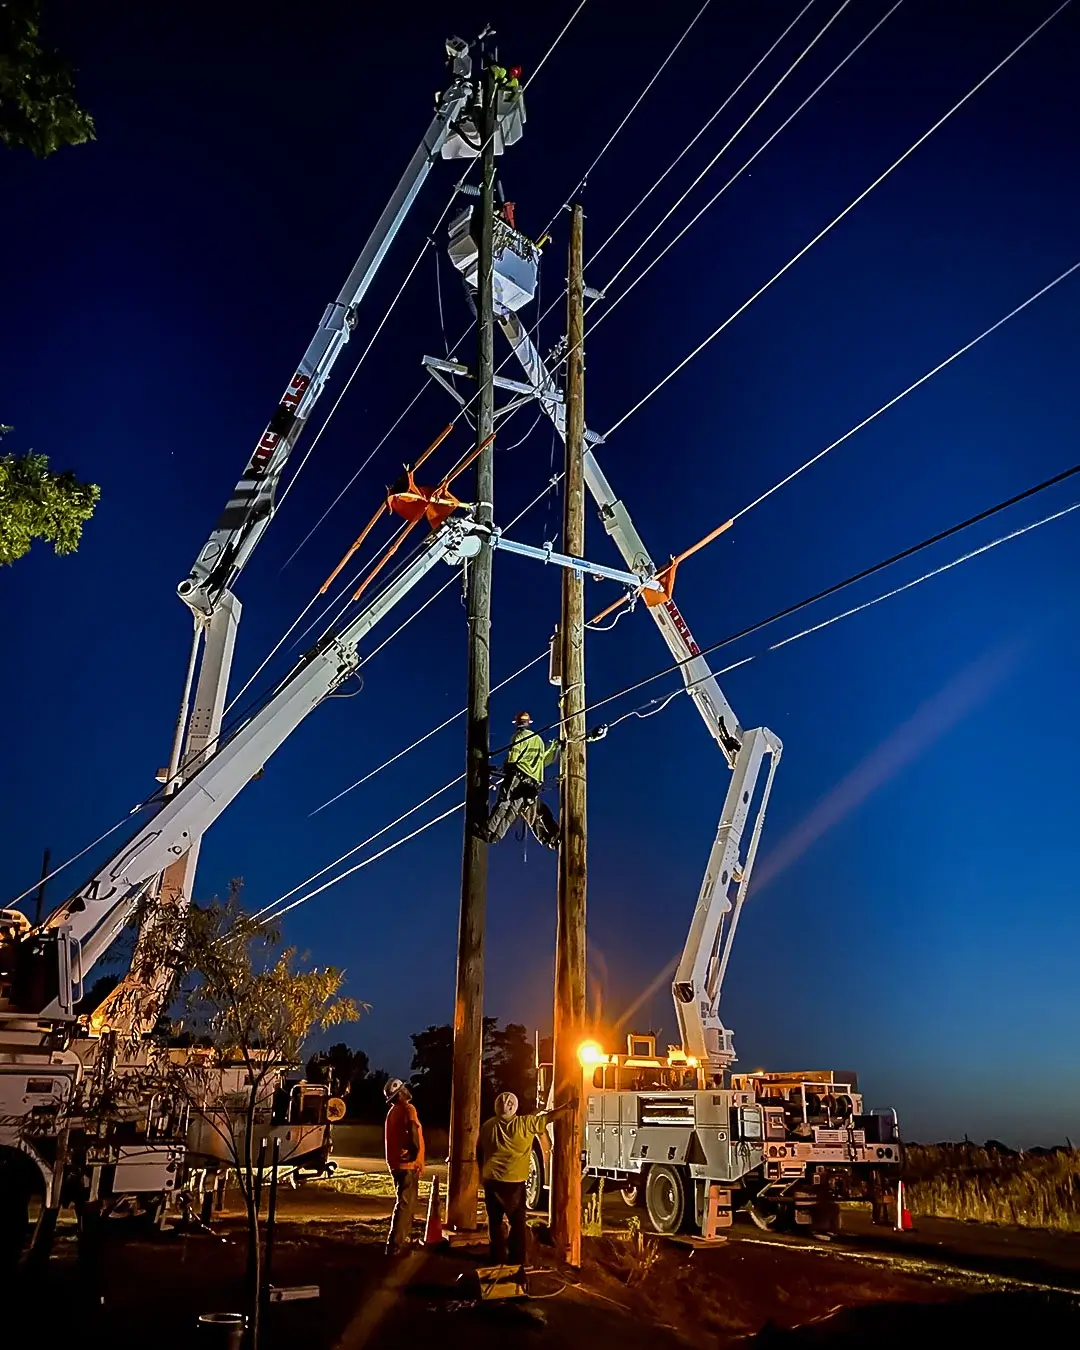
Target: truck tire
point(667, 1199)
point(534, 1185)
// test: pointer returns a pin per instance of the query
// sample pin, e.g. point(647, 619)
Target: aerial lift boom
point(700, 974)
point(207, 590)
point(82, 928)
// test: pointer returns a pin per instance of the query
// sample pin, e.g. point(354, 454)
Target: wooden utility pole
point(570, 930)
point(464, 1177)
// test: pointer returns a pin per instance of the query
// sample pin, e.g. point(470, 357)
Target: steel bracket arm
point(93, 916)
point(700, 974)
point(251, 506)
point(701, 683)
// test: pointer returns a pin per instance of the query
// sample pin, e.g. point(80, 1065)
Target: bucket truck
point(49, 1066)
point(681, 1133)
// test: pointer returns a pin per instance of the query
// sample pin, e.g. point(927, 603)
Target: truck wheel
point(666, 1199)
point(631, 1194)
point(534, 1184)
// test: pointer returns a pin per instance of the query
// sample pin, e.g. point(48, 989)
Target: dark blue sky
point(162, 284)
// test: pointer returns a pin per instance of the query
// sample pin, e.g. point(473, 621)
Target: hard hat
point(506, 1105)
point(523, 719)
point(392, 1088)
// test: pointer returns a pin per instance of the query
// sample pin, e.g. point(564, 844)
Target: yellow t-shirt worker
point(504, 1149)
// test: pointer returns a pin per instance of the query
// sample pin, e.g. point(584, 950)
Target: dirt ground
point(634, 1292)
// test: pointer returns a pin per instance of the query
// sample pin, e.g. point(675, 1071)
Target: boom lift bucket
point(465, 141)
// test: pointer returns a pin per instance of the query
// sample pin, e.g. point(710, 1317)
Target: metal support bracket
point(547, 554)
point(434, 364)
point(438, 367)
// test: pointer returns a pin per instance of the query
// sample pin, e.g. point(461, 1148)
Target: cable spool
point(335, 1110)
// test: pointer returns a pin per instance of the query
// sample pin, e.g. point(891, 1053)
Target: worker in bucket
point(405, 1158)
point(522, 783)
point(503, 1152)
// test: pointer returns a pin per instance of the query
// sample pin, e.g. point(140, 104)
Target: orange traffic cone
point(433, 1233)
point(904, 1222)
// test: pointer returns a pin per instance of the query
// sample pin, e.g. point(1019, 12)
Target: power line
point(700, 132)
point(559, 37)
point(836, 219)
point(736, 175)
point(366, 862)
point(658, 704)
point(855, 609)
point(776, 486)
point(851, 581)
point(628, 114)
point(369, 840)
point(960, 351)
point(742, 127)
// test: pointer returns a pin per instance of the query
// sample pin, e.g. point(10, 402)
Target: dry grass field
point(990, 1185)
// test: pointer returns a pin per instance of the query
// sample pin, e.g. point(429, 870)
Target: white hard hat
point(506, 1105)
point(392, 1088)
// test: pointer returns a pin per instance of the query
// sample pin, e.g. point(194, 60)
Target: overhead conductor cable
point(837, 219)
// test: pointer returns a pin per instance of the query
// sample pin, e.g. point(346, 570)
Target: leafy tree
point(350, 1076)
point(248, 1003)
point(433, 1072)
point(38, 504)
point(38, 108)
point(510, 1062)
point(508, 1067)
point(102, 986)
point(339, 1068)
point(367, 1100)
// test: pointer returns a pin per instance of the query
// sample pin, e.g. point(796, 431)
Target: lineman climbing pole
point(463, 1180)
point(569, 1021)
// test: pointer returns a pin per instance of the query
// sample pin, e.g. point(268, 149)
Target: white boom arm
point(207, 589)
point(88, 922)
point(701, 683)
point(251, 505)
point(699, 977)
point(700, 974)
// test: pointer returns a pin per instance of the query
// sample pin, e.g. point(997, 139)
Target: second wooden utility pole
point(570, 930)
point(464, 1177)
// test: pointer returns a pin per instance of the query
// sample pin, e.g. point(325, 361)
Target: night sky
point(917, 915)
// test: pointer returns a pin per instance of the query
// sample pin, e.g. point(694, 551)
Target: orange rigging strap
point(666, 575)
point(417, 503)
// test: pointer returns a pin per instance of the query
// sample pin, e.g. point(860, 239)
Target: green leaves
point(38, 108)
point(38, 504)
point(247, 998)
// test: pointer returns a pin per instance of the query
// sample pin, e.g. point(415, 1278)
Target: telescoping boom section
point(251, 505)
point(52, 961)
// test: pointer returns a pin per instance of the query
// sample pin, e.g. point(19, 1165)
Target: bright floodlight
point(590, 1053)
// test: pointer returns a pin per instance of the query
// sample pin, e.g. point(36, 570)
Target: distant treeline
point(508, 1067)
